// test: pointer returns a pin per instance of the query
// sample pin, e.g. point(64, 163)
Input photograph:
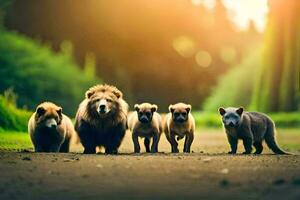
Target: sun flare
point(242, 12)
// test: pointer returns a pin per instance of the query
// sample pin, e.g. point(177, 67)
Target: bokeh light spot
point(184, 46)
point(203, 59)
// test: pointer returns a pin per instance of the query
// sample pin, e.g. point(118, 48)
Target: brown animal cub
point(180, 122)
point(49, 129)
point(251, 127)
point(145, 123)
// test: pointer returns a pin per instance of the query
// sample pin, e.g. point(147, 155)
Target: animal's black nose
point(180, 119)
point(231, 124)
point(144, 119)
point(53, 126)
point(102, 107)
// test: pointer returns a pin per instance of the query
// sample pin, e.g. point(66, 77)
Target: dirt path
point(208, 175)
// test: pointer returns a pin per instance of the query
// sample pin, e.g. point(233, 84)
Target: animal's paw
point(247, 152)
point(231, 152)
point(114, 151)
point(175, 151)
point(153, 151)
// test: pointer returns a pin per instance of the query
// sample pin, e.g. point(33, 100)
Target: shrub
point(38, 74)
point(286, 120)
point(206, 119)
point(11, 117)
point(235, 88)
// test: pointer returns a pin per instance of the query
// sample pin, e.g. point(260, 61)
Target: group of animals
point(101, 121)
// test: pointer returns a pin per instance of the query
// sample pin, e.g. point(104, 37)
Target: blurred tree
point(277, 85)
point(3, 6)
point(90, 65)
point(135, 43)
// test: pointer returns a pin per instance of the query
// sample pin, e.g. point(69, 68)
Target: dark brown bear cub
point(251, 127)
point(49, 129)
point(101, 119)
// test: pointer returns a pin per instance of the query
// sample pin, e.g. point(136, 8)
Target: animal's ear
point(153, 108)
point(117, 93)
point(222, 111)
point(89, 93)
point(40, 111)
point(188, 108)
point(59, 111)
point(171, 109)
point(240, 110)
point(136, 107)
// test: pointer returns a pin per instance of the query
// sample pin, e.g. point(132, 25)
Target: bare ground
point(208, 173)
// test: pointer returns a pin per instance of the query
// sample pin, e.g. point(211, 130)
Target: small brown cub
point(180, 122)
point(145, 123)
point(50, 130)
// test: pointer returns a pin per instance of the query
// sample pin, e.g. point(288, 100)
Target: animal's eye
point(148, 114)
point(176, 114)
point(183, 114)
point(108, 100)
point(226, 117)
point(141, 113)
point(97, 100)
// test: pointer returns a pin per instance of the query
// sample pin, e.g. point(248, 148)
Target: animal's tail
point(271, 142)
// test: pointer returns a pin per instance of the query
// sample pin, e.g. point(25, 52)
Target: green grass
point(289, 139)
point(12, 140)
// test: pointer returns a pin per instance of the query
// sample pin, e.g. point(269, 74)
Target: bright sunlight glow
point(241, 12)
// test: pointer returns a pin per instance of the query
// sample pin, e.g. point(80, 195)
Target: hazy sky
point(242, 11)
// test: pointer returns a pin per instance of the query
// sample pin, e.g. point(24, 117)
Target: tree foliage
point(4, 4)
point(235, 88)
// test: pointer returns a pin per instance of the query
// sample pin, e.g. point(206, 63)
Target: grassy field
point(11, 140)
point(210, 139)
